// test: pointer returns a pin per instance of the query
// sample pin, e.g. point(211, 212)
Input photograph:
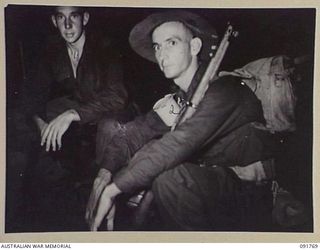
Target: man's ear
point(54, 21)
point(86, 17)
point(196, 45)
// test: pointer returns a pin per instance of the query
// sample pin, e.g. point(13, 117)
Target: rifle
point(198, 93)
point(210, 72)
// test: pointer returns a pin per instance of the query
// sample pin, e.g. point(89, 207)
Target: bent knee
point(108, 127)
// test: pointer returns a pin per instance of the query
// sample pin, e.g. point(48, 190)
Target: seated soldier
point(79, 80)
point(189, 170)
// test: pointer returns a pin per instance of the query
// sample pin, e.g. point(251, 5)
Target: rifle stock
point(208, 75)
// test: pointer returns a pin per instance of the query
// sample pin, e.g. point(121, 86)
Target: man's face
point(171, 43)
point(70, 22)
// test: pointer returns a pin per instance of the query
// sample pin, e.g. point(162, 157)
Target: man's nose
point(67, 23)
point(162, 54)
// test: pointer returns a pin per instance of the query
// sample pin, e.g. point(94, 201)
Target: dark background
point(263, 33)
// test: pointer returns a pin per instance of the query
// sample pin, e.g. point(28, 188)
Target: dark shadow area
point(263, 33)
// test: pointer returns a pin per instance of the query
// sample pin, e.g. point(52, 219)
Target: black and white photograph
point(144, 119)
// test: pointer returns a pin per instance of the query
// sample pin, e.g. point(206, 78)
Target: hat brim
point(140, 37)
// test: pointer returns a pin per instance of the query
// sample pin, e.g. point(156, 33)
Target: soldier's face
point(171, 43)
point(70, 22)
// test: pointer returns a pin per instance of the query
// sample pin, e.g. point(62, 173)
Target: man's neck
point(78, 45)
point(185, 79)
point(75, 52)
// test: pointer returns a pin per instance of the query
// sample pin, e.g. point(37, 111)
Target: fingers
point(97, 189)
point(44, 127)
point(44, 134)
point(88, 210)
point(52, 135)
point(55, 134)
point(106, 208)
point(59, 140)
point(91, 205)
point(110, 224)
point(101, 212)
point(41, 125)
point(49, 137)
point(101, 181)
point(110, 218)
point(54, 139)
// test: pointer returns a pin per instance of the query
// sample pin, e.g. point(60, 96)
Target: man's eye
point(155, 47)
point(172, 43)
point(59, 17)
point(75, 16)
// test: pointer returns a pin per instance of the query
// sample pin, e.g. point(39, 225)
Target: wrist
point(104, 171)
point(74, 116)
point(112, 190)
point(39, 122)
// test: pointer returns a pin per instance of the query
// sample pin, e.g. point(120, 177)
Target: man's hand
point(52, 134)
point(106, 208)
point(101, 181)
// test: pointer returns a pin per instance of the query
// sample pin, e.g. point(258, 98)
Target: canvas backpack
point(269, 79)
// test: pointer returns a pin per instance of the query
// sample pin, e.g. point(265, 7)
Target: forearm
point(94, 111)
point(211, 120)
